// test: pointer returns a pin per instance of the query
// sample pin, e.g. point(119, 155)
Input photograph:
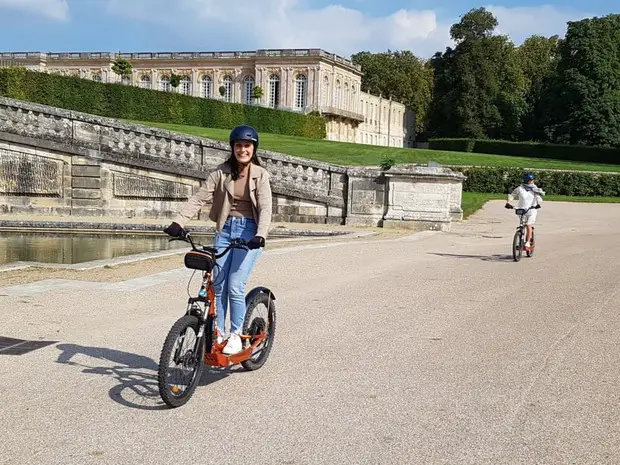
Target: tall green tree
point(479, 87)
point(586, 89)
point(399, 75)
point(538, 57)
point(122, 67)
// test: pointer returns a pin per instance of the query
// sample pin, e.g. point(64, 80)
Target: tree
point(175, 80)
point(478, 88)
point(123, 68)
point(585, 93)
point(257, 92)
point(538, 60)
point(475, 24)
point(399, 75)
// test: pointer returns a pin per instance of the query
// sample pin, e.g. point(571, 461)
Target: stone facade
point(54, 161)
point(301, 80)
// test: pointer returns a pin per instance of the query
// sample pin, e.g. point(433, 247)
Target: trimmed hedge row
point(530, 149)
point(576, 183)
point(134, 103)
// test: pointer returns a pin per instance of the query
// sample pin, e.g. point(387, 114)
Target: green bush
point(451, 145)
point(530, 149)
point(134, 103)
point(576, 183)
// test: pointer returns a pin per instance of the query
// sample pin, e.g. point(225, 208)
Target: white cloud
point(289, 24)
point(54, 9)
point(252, 24)
point(521, 22)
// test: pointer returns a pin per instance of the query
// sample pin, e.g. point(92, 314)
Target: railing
point(344, 113)
point(22, 55)
point(293, 52)
point(12, 63)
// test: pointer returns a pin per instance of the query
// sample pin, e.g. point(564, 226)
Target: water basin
point(71, 248)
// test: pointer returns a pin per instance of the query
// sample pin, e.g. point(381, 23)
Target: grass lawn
point(474, 201)
point(343, 153)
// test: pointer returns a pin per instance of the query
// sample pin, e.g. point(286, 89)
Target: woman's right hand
point(256, 242)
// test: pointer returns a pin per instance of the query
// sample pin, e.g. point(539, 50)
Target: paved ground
point(434, 348)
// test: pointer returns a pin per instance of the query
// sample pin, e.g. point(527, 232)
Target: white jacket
point(529, 195)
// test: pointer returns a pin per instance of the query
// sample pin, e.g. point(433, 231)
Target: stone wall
point(54, 161)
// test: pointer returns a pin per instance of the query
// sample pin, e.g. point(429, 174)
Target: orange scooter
point(192, 342)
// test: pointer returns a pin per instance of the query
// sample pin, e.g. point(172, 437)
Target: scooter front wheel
point(517, 245)
point(181, 361)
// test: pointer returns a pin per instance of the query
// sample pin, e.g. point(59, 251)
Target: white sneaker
point(234, 345)
point(527, 244)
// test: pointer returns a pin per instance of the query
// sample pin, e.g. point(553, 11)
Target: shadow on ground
point(135, 375)
point(485, 258)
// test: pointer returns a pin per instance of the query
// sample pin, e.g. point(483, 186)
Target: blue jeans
point(235, 269)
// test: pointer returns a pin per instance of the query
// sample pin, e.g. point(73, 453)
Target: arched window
point(227, 82)
point(345, 103)
point(353, 105)
point(301, 91)
point(248, 90)
point(96, 76)
point(274, 91)
point(206, 87)
point(145, 81)
point(186, 85)
point(325, 93)
point(164, 83)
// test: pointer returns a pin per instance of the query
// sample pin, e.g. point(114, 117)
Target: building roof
point(260, 53)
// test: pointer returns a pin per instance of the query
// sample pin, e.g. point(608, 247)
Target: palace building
point(300, 80)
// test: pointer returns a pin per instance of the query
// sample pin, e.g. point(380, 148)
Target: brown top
point(242, 204)
point(218, 189)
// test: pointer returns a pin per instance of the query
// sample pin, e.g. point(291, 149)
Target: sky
point(343, 27)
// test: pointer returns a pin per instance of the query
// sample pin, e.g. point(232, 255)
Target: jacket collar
point(229, 183)
point(254, 170)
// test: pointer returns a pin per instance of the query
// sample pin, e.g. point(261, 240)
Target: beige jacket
point(219, 189)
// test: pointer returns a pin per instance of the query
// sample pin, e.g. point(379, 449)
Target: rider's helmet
point(527, 177)
point(244, 132)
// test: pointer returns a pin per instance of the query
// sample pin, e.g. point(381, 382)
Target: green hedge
point(134, 103)
point(578, 183)
point(530, 149)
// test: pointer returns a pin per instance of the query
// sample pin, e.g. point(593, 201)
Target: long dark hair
point(233, 164)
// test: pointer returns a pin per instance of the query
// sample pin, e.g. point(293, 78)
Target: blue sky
point(342, 27)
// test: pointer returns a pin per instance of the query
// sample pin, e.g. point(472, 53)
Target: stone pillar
point(237, 86)
point(456, 196)
point(287, 93)
point(195, 85)
point(86, 187)
point(421, 197)
point(283, 87)
point(319, 86)
point(258, 81)
point(365, 197)
point(215, 91)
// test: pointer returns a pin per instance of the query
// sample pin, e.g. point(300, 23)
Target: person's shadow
point(136, 374)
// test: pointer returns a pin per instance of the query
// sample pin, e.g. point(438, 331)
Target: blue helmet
point(527, 177)
point(244, 133)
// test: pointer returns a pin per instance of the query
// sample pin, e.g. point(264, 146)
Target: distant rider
point(529, 196)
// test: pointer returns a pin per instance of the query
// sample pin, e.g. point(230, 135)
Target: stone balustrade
point(70, 163)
